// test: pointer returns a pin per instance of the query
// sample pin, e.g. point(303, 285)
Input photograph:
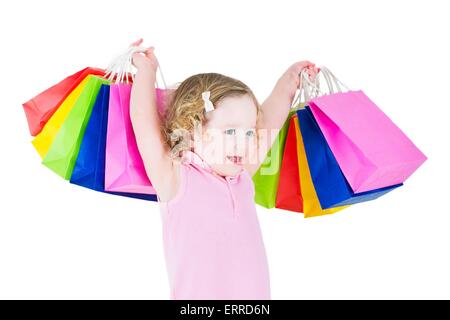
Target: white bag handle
point(315, 88)
point(307, 88)
point(122, 66)
point(332, 79)
point(311, 89)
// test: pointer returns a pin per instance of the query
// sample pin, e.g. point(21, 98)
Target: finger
point(313, 69)
point(150, 53)
point(310, 73)
point(136, 56)
point(307, 63)
point(137, 43)
point(299, 66)
point(310, 70)
point(150, 50)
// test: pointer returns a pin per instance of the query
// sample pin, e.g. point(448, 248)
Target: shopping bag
point(289, 195)
point(44, 139)
point(267, 176)
point(330, 185)
point(163, 98)
point(371, 150)
point(40, 108)
point(89, 170)
point(311, 204)
point(63, 151)
point(124, 168)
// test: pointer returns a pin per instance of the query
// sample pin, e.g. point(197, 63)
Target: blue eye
point(230, 131)
point(250, 133)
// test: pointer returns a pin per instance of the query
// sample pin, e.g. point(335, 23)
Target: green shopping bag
point(63, 152)
point(268, 174)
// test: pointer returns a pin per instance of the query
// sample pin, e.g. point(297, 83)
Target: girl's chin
point(229, 169)
point(234, 164)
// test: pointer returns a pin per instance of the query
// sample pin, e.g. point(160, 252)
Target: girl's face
point(228, 140)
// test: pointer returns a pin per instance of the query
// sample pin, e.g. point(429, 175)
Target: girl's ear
point(209, 134)
point(206, 136)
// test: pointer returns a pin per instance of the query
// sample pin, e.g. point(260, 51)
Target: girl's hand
point(291, 80)
point(146, 60)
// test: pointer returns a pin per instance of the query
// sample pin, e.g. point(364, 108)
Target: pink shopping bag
point(124, 168)
point(371, 150)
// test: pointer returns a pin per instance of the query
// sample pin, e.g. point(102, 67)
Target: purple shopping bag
point(371, 150)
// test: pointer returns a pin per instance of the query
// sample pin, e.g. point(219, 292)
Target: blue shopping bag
point(89, 170)
point(330, 184)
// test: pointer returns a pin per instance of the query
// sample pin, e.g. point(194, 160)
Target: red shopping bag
point(40, 108)
point(289, 195)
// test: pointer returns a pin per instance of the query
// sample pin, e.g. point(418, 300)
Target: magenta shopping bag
point(124, 168)
point(371, 150)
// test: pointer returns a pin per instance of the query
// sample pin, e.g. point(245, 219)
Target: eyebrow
point(246, 129)
point(233, 124)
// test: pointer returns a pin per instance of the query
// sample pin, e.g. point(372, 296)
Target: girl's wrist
point(146, 72)
point(288, 84)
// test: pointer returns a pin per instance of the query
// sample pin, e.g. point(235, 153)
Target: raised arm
point(275, 109)
point(146, 123)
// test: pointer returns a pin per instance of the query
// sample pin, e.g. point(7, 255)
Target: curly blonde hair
point(185, 110)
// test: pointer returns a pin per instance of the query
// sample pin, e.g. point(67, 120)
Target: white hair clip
point(207, 103)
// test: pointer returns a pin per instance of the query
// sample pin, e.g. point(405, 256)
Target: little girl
point(200, 159)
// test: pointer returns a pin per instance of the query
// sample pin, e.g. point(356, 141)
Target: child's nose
point(240, 144)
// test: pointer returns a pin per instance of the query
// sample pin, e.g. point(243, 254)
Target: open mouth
point(235, 159)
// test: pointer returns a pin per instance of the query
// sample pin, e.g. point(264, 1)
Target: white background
point(60, 241)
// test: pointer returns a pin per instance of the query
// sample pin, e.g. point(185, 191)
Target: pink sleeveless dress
point(212, 239)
